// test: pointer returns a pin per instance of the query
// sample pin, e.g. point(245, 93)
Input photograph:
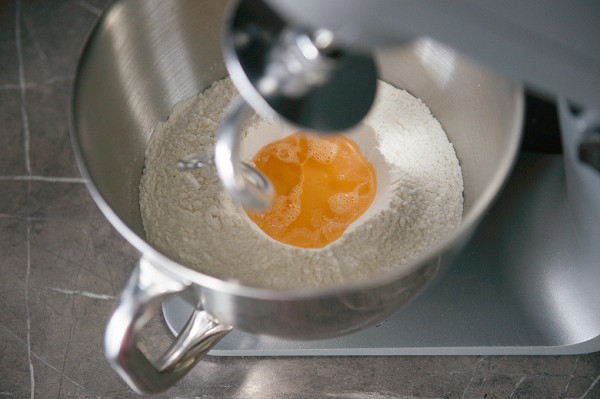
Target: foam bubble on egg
point(322, 151)
point(342, 203)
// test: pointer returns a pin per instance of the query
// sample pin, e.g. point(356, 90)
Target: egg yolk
point(322, 184)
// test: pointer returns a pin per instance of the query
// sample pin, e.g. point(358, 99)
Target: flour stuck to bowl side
point(189, 217)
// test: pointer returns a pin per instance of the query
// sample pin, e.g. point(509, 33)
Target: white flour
point(190, 218)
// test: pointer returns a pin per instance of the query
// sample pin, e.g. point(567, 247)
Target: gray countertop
point(62, 266)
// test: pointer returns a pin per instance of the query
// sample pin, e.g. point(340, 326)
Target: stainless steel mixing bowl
point(142, 58)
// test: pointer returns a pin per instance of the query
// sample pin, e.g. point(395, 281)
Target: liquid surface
point(322, 185)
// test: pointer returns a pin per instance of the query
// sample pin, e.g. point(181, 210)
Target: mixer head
point(303, 76)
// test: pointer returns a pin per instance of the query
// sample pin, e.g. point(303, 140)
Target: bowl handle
point(144, 292)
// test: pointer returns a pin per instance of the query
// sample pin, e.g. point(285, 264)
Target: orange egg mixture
point(322, 185)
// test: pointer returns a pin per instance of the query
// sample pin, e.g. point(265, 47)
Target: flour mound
point(189, 217)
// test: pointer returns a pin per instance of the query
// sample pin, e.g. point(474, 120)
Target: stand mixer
point(283, 55)
point(519, 278)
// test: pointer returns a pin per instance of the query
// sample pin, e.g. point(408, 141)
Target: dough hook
point(244, 182)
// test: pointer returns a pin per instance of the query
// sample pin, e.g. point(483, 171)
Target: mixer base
point(523, 285)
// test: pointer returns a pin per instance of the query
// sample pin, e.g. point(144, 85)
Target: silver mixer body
point(553, 45)
point(144, 56)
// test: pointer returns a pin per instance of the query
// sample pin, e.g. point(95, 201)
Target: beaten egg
point(322, 184)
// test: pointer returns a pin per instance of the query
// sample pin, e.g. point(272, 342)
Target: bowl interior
point(145, 56)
